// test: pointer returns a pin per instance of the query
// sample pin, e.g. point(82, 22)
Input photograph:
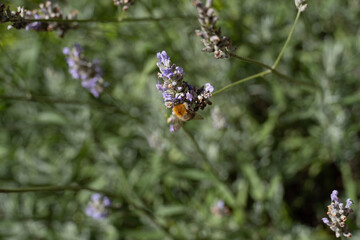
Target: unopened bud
point(301, 5)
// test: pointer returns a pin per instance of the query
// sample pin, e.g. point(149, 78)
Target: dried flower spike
point(50, 11)
point(184, 99)
point(301, 5)
point(125, 3)
point(210, 34)
point(46, 11)
point(97, 208)
point(89, 72)
point(338, 214)
point(17, 18)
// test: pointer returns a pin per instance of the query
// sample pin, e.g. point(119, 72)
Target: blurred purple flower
point(81, 68)
point(97, 207)
point(334, 196)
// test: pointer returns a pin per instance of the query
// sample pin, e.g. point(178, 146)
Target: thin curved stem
point(270, 69)
point(287, 40)
point(207, 164)
point(260, 74)
point(249, 60)
point(276, 72)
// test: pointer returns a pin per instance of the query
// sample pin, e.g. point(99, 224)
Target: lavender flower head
point(176, 92)
point(211, 36)
point(20, 19)
point(88, 72)
point(338, 213)
point(97, 207)
point(219, 208)
point(125, 3)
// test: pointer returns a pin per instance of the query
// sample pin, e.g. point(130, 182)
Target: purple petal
point(348, 203)
point(326, 221)
point(95, 197)
point(334, 196)
point(209, 88)
point(66, 51)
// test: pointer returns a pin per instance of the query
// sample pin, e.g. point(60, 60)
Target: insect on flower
point(183, 98)
point(184, 113)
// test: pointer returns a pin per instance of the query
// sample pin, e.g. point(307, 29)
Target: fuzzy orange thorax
point(180, 110)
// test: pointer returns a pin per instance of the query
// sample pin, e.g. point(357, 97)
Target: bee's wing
point(198, 117)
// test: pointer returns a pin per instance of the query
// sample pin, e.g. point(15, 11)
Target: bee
point(183, 113)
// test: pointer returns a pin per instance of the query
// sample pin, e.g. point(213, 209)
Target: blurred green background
point(282, 152)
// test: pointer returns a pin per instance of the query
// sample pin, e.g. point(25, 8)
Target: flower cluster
point(338, 213)
point(177, 92)
point(210, 34)
point(47, 11)
point(125, 3)
point(220, 209)
point(17, 18)
point(97, 208)
point(50, 11)
point(89, 72)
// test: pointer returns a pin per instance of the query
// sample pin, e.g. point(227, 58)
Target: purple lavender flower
point(175, 91)
point(338, 214)
point(348, 203)
point(334, 196)
point(97, 207)
point(81, 68)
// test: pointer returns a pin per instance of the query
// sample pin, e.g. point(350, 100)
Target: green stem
point(270, 69)
point(276, 72)
point(287, 40)
point(114, 20)
point(249, 60)
point(144, 210)
point(208, 166)
point(51, 100)
point(54, 189)
point(260, 74)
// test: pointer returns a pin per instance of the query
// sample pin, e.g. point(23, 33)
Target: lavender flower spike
point(124, 3)
point(88, 72)
point(338, 214)
point(211, 36)
point(20, 19)
point(184, 99)
point(97, 207)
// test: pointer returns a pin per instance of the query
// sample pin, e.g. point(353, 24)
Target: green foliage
point(285, 148)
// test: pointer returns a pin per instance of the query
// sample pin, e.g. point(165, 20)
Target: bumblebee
point(184, 113)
